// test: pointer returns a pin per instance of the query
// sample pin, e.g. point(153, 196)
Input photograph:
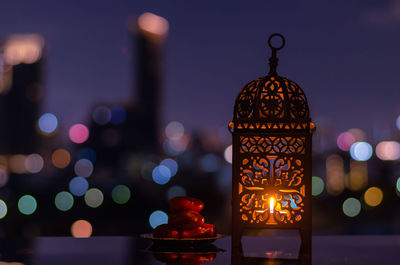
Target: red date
point(165, 231)
point(179, 204)
point(205, 230)
point(185, 220)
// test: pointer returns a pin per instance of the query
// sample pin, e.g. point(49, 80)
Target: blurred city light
point(398, 122)
point(48, 123)
point(81, 229)
point(101, 115)
point(118, 115)
point(358, 134)
point(351, 207)
point(398, 185)
point(3, 209)
point(121, 194)
point(78, 133)
point(64, 201)
point(27, 204)
point(373, 196)
point(317, 185)
point(171, 164)
point(83, 167)
point(345, 140)
point(23, 48)
point(34, 163)
point(175, 191)
point(334, 175)
point(228, 154)
point(158, 218)
point(176, 147)
point(16, 163)
point(78, 186)
point(174, 130)
point(87, 153)
point(60, 158)
point(388, 150)
point(4, 176)
point(94, 198)
point(358, 175)
point(210, 162)
point(161, 174)
point(154, 24)
point(361, 151)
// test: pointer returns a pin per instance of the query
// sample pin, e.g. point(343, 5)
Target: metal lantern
point(271, 180)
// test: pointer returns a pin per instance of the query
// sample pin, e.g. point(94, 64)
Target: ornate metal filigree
point(272, 98)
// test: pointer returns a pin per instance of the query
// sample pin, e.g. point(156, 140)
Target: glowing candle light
point(271, 205)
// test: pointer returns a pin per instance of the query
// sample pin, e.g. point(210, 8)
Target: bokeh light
point(78, 133)
point(27, 204)
point(81, 229)
point(398, 122)
point(83, 167)
point(175, 191)
point(34, 163)
point(4, 176)
point(174, 130)
point(87, 153)
point(118, 115)
point(358, 134)
point(161, 174)
point(361, 151)
point(351, 207)
point(64, 201)
point(345, 140)
point(23, 48)
point(16, 163)
point(228, 154)
point(210, 162)
point(171, 164)
point(398, 184)
point(3, 209)
point(61, 158)
point(78, 186)
point(48, 123)
point(373, 196)
point(101, 115)
point(176, 147)
point(158, 218)
point(317, 186)
point(121, 194)
point(154, 24)
point(94, 198)
point(388, 150)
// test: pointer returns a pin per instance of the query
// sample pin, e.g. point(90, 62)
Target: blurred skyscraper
point(20, 93)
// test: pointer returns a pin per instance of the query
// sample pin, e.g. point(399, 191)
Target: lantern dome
point(271, 102)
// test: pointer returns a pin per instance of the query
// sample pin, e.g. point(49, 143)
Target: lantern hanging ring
point(276, 35)
point(273, 61)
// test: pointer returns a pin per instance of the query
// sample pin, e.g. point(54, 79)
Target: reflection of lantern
point(272, 132)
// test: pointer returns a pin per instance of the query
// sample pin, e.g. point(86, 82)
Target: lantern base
point(304, 255)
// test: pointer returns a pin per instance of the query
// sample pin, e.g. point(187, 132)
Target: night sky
point(344, 54)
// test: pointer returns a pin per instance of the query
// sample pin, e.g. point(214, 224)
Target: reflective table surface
point(326, 250)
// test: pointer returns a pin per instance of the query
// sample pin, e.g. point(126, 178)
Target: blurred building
point(20, 93)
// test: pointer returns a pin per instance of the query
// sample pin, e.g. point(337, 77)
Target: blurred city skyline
point(344, 55)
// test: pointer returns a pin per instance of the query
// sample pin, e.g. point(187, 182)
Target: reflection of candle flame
point(271, 205)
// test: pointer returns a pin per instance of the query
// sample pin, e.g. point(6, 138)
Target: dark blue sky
point(344, 54)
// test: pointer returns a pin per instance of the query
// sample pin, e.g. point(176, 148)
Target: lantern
point(271, 178)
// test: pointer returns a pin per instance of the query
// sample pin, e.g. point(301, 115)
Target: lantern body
point(271, 177)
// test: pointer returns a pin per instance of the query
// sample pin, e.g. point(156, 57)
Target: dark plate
point(182, 241)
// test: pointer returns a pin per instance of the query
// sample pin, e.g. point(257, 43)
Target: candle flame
point(271, 205)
